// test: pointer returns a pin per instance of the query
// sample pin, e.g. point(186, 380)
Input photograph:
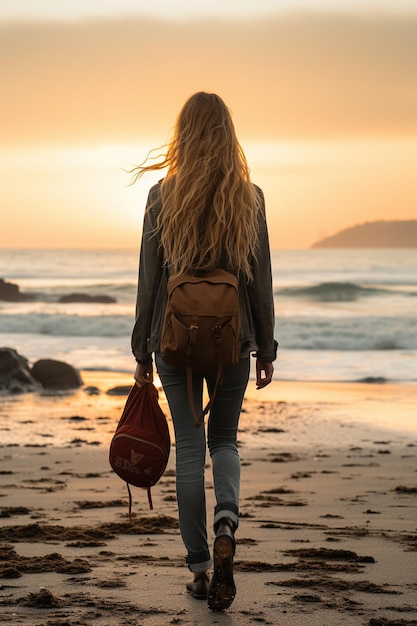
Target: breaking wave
point(298, 332)
point(67, 325)
point(358, 333)
point(337, 292)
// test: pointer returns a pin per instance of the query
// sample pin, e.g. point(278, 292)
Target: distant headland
point(381, 234)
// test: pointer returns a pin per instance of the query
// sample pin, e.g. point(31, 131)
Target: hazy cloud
point(299, 76)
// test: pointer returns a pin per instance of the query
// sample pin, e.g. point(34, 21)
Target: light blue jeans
point(191, 452)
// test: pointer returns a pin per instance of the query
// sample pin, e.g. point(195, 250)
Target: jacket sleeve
point(260, 291)
point(150, 272)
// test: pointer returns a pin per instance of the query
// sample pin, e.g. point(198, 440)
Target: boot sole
point(222, 588)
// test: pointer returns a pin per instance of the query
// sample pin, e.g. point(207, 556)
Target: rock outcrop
point(15, 375)
point(11, 293)
point(380, 234)
point(56, 375)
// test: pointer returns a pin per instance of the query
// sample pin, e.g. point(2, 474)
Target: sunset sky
point(323, 95)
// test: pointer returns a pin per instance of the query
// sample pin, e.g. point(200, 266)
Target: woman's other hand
point(143, 374)
point(264, 372)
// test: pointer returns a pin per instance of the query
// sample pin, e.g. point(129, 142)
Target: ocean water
point(341, 315)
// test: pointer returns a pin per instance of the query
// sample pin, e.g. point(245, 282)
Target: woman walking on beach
point(204, 215)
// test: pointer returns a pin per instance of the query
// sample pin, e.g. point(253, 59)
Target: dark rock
point(92, 390)
point(56, 374)
point(11, 293)
point(84, 297)
point(121, 390)
point(15, 375)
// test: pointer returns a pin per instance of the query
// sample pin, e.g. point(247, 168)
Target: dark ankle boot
point(199, 586)
point(222, 589)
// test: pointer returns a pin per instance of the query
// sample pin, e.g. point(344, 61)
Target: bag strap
point(130, 501)
point(191, 341)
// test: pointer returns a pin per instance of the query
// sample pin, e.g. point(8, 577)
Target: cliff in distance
point(381, 234)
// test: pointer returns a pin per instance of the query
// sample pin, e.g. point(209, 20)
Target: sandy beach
point(328, 530)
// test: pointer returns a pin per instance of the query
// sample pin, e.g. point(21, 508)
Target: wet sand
point(328, 519)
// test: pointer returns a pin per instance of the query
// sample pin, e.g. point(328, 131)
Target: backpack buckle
point(217, 333)
point(192, 334)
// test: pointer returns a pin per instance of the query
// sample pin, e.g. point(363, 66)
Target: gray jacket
point(256, 297)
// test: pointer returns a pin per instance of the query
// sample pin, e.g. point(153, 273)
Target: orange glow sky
point(323, 94)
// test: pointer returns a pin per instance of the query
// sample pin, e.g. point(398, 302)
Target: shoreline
point(322, 411)
point(388, 406)
point(375, 404)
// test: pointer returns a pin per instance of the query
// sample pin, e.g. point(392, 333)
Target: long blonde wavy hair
point(209, 205)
